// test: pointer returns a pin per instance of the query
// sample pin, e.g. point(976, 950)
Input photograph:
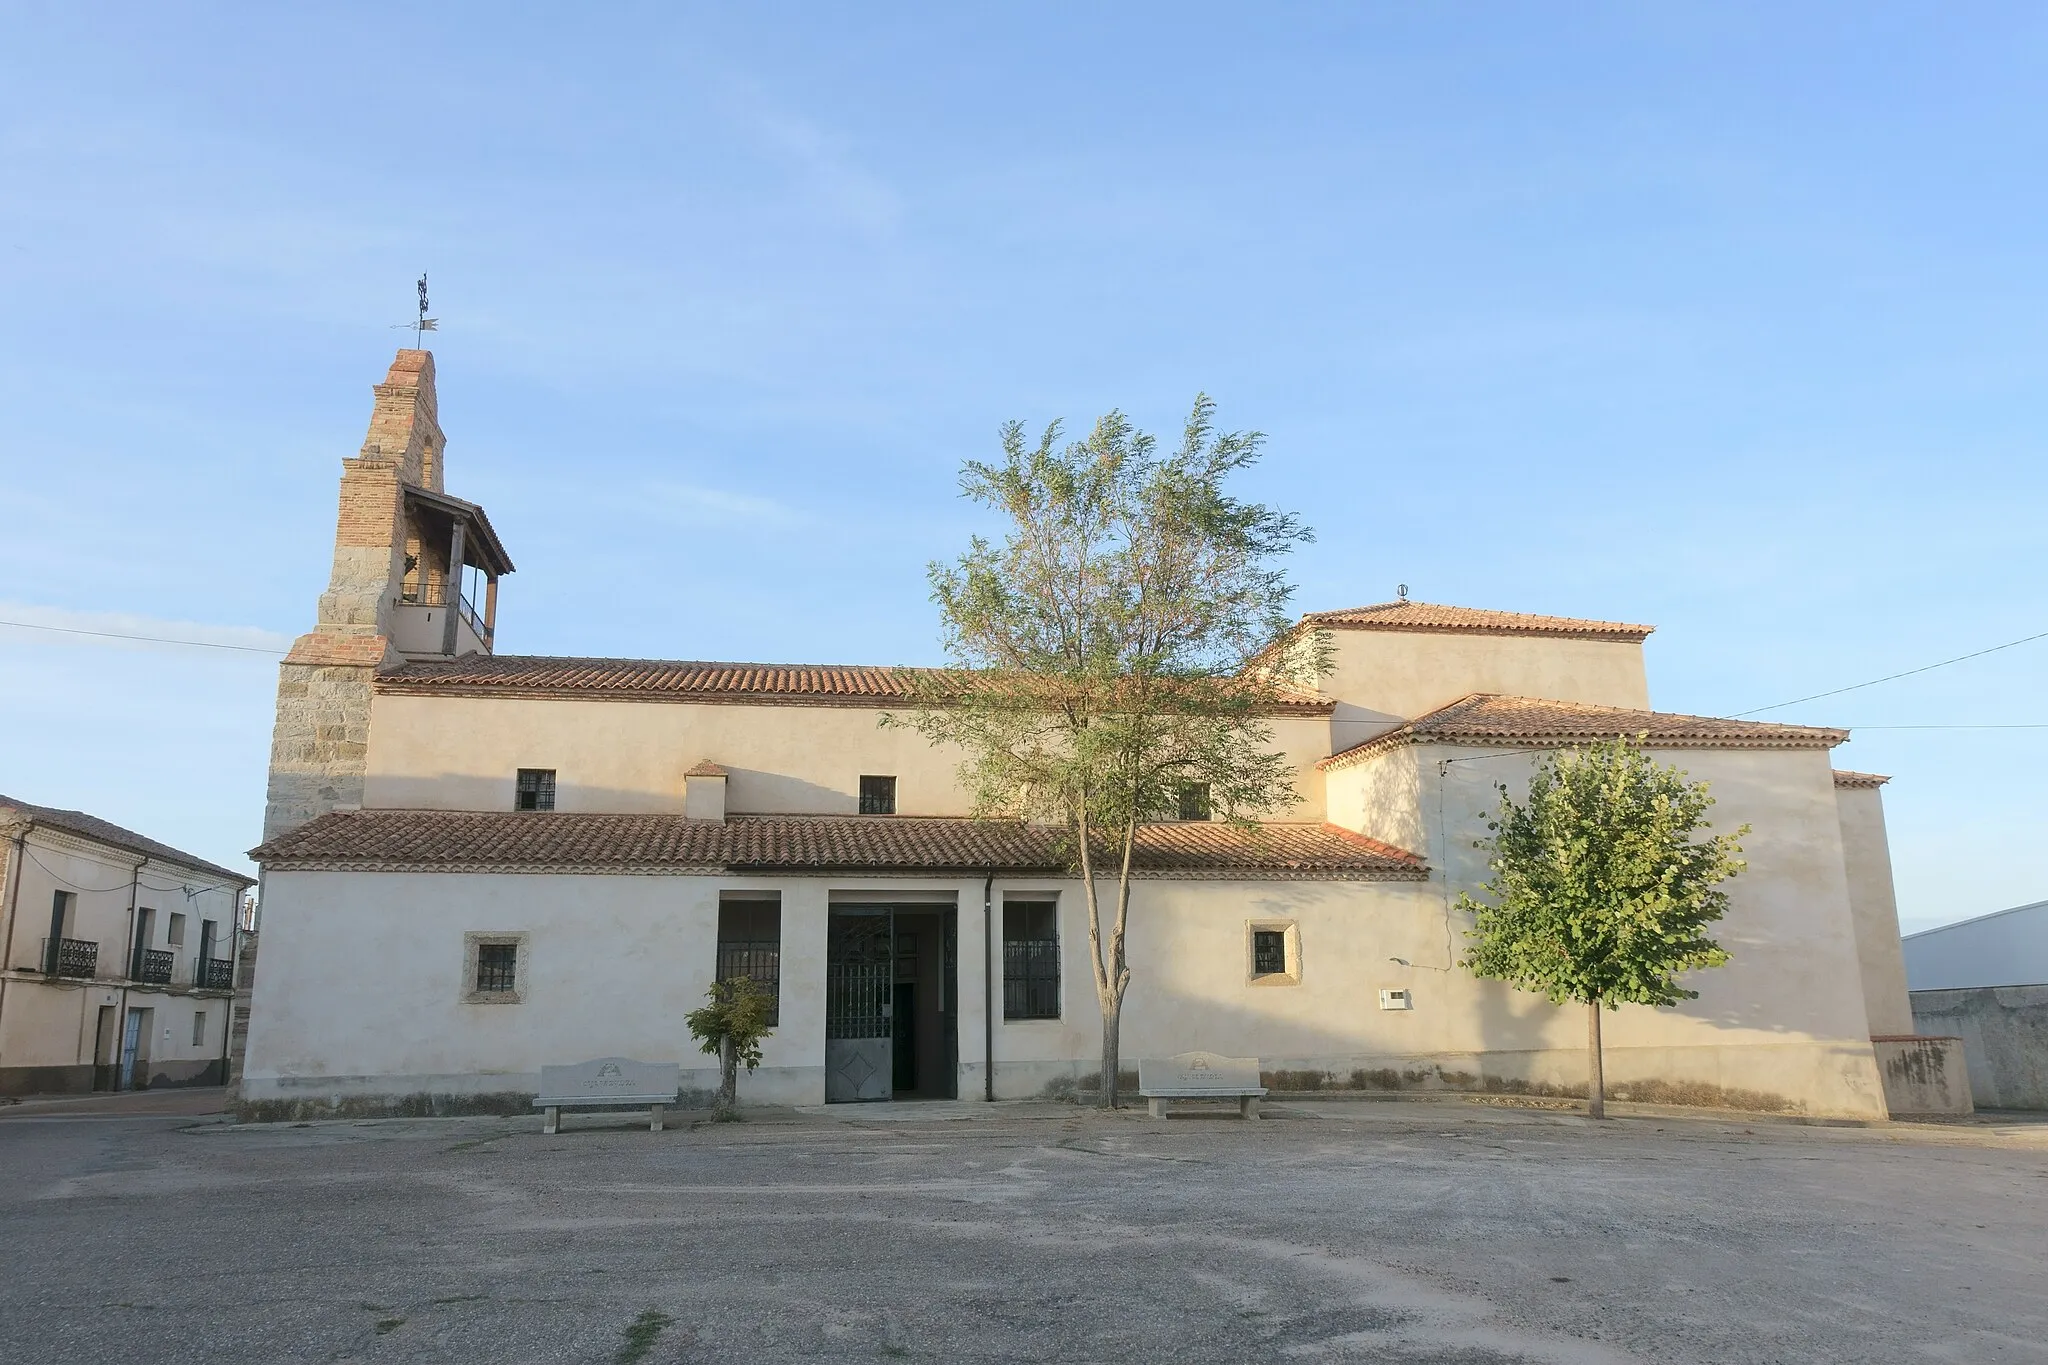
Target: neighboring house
point(119, 957)
point(2006, 948)
point(1985, 981)
point(476, 864)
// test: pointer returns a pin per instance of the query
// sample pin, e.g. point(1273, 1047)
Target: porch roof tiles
point(555, 841)
point(1487, 718)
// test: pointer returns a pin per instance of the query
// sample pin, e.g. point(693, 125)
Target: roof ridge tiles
point(702, 680)
point(1404, 614)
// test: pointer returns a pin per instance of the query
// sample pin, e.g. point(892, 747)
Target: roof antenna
point(1401, 591)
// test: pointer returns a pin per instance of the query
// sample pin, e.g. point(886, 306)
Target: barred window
point(750, 944)
point(877, 795)
point(1269, 952)
point(536, 789)
point(1194, 801)
point(497, 967)
point(1031, 960)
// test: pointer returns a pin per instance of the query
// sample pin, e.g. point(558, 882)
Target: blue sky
point(1723, 318)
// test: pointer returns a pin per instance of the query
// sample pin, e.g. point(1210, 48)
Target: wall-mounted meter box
point(1396, 1000)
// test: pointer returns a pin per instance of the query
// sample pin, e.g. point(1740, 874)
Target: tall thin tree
point(1110, 651)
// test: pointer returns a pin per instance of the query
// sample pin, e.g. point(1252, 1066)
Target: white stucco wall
point(1379, 677)
point(1383, 797)
point(614, 963)
point(1875, 908)
point(463, 753)
point(1794, 985)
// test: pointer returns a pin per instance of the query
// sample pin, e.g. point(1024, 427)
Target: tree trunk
point(1112, 1028)
point(728, 1076)
point(1596, 1076)
point(1105, 999)
point(1119, 977)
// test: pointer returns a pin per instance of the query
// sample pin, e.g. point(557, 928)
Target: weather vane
point(423, 323)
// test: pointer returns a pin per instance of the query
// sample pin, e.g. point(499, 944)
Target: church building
point(476, 864)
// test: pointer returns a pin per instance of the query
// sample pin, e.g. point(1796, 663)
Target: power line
point(1836, 692)
point(150, 639)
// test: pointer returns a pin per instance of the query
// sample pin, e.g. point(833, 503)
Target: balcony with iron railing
point(419, 628)
point(153, 967)
point(213, 973)
point(70, 957)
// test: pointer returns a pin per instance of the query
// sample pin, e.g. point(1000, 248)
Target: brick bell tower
point(411, 566)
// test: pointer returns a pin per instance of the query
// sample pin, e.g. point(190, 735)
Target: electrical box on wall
point(1396, 1000)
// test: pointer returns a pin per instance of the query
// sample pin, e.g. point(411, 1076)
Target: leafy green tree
point(1111, 652)
point(1601, 891)
point(732, 1026)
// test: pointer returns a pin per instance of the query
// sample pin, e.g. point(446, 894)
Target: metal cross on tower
point(425, 323)
point(421, 324)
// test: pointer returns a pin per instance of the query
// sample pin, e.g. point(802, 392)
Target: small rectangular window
point(536, 789)
point(750, 944)
point(497, 967)
point(1031, 960)
point(1269, 952)
point(877, 795)
point(176, 933)
point(1194, 801)
point(198, 1028)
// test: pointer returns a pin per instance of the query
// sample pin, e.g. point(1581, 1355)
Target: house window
point(1194, 801)
point(175, 935)
point(877, 795)
point(536, 789)
point(750, 944)
point(198, 1028)
point(1031, 960)
point(492, 968)
point(1275, 954)
point(497, 966)
point(1269, 952)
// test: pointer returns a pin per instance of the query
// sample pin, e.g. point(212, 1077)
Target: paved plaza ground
point(1394, 1232)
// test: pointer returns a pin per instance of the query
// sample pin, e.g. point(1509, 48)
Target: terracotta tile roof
point(1846, 778)
point(77, 822)
point(1485, 718)
point(706, 769)
point(1428, 616)
point(553, 841)
point(532, 675)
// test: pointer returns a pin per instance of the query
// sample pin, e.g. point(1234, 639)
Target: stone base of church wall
point(1816, 1079)
point(272, 1099)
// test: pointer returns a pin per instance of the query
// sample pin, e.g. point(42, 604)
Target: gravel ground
point(1378, 1232)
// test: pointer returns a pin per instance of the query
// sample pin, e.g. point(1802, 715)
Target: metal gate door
point(131, 1043)
point(860, 965)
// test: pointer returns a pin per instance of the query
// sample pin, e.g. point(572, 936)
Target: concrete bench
point(608, 1083)
point(1201, 1076)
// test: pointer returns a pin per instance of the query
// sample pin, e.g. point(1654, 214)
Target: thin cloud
point(823, 159)
point(694, 505)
